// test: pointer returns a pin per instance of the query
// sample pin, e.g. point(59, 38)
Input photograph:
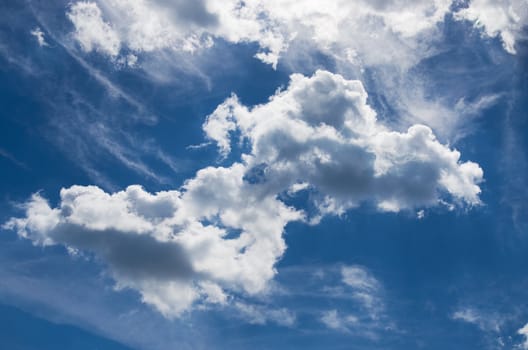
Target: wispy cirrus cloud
point(361, 287)
point(483, 320)
point(5, 154)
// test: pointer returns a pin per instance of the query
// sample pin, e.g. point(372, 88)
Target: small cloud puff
point(484, 321)
point(39, 35)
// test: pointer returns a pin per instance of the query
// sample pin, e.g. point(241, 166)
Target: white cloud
point(39, 35)
point(351, 28)
point(485, 321)
point(498, 18)
point(389, 37)
point(261, 315)
point(524, 332)
point(364, 288)
point(380, 32)
point(322, 132)
point(91, 30)
point(475, 108)
point(368, 315)
point(222, 232)
point(386, 36)
point(359, 294)
point(140, 26)
point(333, 320)
point(359, 278)
point(161, 244)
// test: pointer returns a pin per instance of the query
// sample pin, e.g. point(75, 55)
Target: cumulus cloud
point(166, 245)
point(351, 30)
point(386, 37)
point(505, 19)
point(320, 131)
point(381, 40)
point(140, 26)
point(356, 28)
point(222, 231)
point(92, 31)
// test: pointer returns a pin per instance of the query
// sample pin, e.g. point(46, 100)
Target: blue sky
point(263, 174)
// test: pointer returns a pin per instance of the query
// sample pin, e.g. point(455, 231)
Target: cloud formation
point(144, 26)
point(368, 32)
point(222, 231)
point(524, 332)
point(505, 19)
point(321, 132)
point(261, 315)
point(377, 41)
point(484, 321)
point(161, 244)
point(91, 31)
point(333, 320)
point(362, 287)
